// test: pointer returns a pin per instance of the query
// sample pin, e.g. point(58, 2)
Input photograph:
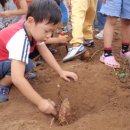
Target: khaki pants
point(82, 17)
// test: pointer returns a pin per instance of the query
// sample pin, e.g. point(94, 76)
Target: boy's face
point(41, 31)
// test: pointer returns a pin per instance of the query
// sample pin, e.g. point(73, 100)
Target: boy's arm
point(20, 11)
point(17, 75)
point(56, 40)
point(49, 58)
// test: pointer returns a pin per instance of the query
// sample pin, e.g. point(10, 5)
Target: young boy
point(17, 41)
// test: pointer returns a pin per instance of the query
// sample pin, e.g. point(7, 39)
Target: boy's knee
point(5, 68)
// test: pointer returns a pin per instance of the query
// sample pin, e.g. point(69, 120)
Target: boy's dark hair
point(42, 10)
point(3, 2)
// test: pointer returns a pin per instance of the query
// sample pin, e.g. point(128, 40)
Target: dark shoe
point(4, 93)
point(30, 75)
point(52, 49)
point(89, 43)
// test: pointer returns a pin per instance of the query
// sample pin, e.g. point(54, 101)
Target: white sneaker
point(74, 52)
point(99, 35)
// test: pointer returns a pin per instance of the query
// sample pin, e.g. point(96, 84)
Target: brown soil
point(100, 100)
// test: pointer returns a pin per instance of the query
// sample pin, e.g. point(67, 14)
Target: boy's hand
point(47, 106)
point(63, 39)
point(66, 75)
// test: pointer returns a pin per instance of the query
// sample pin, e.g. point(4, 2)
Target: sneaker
point(4, 93)
point(99, 35)
point(74, 52)
point(97, 30)
point(89, 43)
point(30, 75)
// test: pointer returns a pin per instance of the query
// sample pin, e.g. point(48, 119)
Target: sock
point(125, 47)
point(107, 52)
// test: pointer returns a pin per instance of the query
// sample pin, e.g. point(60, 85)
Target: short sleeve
point(19, 47)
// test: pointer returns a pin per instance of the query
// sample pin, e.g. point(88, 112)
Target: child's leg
point(65, 13)
point(100, 19)
point(109, 31)
point(5, 84)
point(107, 57)
point(89, 19)
point(125, 37)
point(5, 80)
point(125, 30)
point(79, 8)
point(88, 24)
point(125, 15)
point(111, 8)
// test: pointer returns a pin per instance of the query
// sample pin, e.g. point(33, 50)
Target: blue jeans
point(100, 19)
point(5, 67)
point(64, 11)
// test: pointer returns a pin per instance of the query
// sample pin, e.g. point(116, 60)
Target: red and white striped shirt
point(14, 43)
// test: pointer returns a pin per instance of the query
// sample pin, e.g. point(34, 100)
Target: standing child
point(82, 18)
point(16, 43)
point(115, 9)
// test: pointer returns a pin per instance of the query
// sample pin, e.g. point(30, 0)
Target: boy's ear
point(31, 20)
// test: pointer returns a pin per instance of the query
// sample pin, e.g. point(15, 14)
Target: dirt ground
point(100, 99)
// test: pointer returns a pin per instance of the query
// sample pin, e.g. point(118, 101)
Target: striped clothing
point(14, 43)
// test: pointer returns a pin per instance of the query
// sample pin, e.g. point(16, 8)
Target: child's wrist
point(40, 102)
point(60, 73)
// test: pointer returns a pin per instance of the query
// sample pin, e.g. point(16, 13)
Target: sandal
point(125, 55)
point(4, 93)
point(30, 75)
point(109, 61)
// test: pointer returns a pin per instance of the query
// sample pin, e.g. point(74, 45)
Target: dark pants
point(100, 19)
point(5, 67)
